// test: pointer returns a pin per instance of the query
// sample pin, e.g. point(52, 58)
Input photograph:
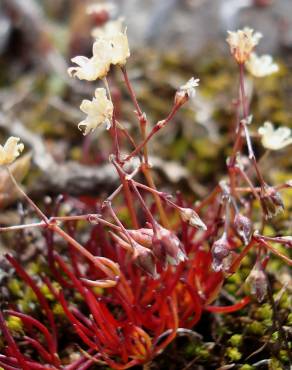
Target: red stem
point(11, 343)
point(228, 309)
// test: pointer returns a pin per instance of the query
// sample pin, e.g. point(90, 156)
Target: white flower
point(100, 7)
point(11, 150)
point(275, 139)
point(99, 111)
point(261, 66)
point(190, 87)
point(106, 51)
point(89, 69)
point(242, 43)
point(110, 29)
point(120, 48)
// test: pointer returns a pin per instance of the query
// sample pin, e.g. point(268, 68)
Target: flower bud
point(144, 258)
point(180, 98)
point(220, 251)
point(186, 92)
point(167, 248)
point(243, 227)
point(257, 282)
point(191, 217)
point(271, 201)
point(142, 236)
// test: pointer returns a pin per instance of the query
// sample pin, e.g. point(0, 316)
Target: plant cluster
point(150, 265)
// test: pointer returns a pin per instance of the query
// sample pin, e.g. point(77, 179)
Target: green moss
point(283, 355)
point(195, 350)
point(289, 319)
point(246, 367)
point(236, 340)
point(235, 278)
point(275, 365)
point(285, 301)
point(190, 349)
point(58, 309)
point(28, 301)
point(275, 337)
point(14, 324)
point(231, 288)
point(233, 354)
point(15, 287)
point(34, 268)
point(98, 290)
point(46, 292)
point(264, 312)
point(256, 328)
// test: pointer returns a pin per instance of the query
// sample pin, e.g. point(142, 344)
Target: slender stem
point(115, 193)
point(128, 195)
point(27, 198)
point(236, 263)
point(115, 217)
point(147, 188)
point(228, 309)
point(242, 90)
point(276, 239)
point(155, 129)
point(132, 92)
point(127, 135)
point(144, 135)
point(115, 130)
point(148, 213)
point(246, 178)
point(87, 217)
point(22, 227)
point(141, 145)
point(273, 249)
point(227, 217)
point(95, 260)
point(11, 343)
point(248, 142)
point(238, 140)
point(259, 175)
point(162, 214)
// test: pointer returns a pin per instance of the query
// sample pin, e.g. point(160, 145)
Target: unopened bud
point(271, 201)
point(257, 282)
point(191, 217)
point(144, 258)
point(142, 236)
point(243, 227)
point(220, 251)
point(167, 247)
point(180, 98)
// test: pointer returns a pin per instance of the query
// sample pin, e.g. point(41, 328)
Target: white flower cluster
point(106, 50)
point(111, 47)
point(242, 43)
